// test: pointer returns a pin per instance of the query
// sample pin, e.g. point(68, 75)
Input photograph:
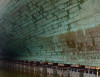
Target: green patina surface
point(62, 31)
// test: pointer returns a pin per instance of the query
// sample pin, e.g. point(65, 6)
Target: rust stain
point(80, 42)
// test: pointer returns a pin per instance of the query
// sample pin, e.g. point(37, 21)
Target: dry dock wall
point(62, 31)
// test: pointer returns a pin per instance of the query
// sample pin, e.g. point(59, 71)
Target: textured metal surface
point(63, 31)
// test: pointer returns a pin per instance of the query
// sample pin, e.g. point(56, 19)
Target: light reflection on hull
point(22, 70)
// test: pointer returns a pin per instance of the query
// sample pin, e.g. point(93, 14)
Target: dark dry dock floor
point(12, 73)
